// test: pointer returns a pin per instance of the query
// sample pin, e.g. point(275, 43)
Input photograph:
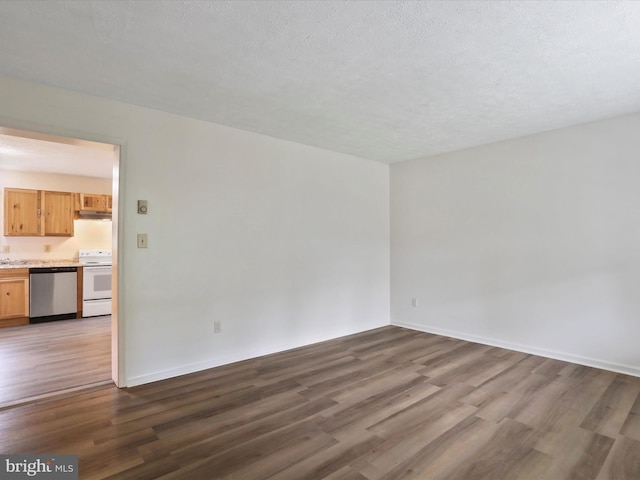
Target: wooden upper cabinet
point(37, 213)
point(58, 214)
point(22, 212)
point(95, 202)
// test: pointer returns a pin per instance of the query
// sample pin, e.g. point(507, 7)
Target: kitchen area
point(36, 291)
point(55, 265)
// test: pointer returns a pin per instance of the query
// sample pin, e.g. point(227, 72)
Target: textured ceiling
point(44, 153)
point(388, 81)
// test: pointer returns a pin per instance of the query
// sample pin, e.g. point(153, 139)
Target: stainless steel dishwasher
point(53, 293)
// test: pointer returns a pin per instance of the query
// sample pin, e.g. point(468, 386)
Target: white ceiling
point(44, 153)
point(384, 80)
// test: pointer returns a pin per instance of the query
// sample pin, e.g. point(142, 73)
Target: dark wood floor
point(44, 358)
point(386, 404)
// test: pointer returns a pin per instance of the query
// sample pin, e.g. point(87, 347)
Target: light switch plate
point(6, 249)
point(142, 240)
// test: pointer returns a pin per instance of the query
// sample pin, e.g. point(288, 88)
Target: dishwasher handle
point(52, 270)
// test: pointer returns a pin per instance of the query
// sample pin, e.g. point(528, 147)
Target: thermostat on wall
point(142, 207)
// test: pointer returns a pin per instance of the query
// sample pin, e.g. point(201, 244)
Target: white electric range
point(96, 282)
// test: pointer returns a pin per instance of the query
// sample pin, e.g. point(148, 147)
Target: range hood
point(94, 215)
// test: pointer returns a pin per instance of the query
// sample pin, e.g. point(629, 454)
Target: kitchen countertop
point(9, 264)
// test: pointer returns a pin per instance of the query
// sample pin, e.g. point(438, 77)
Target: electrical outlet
point(414, 302)
point(142, 240)
point(47, 248)
point(217, 326)
point(6, 249)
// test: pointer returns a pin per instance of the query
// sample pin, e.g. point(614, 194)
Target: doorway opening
point(47, 359)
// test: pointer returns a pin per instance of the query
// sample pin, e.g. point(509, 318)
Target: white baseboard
point(220, 361)
point(566, 357)
point(182, 370)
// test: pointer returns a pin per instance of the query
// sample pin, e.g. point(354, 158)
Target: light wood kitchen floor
point(44, 358)
point(386, 404)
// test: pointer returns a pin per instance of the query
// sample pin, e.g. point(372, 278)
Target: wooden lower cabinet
point(14, 296)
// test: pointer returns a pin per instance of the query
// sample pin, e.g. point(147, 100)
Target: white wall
point(532, 244)
point(285, 244)
point(87, 233)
